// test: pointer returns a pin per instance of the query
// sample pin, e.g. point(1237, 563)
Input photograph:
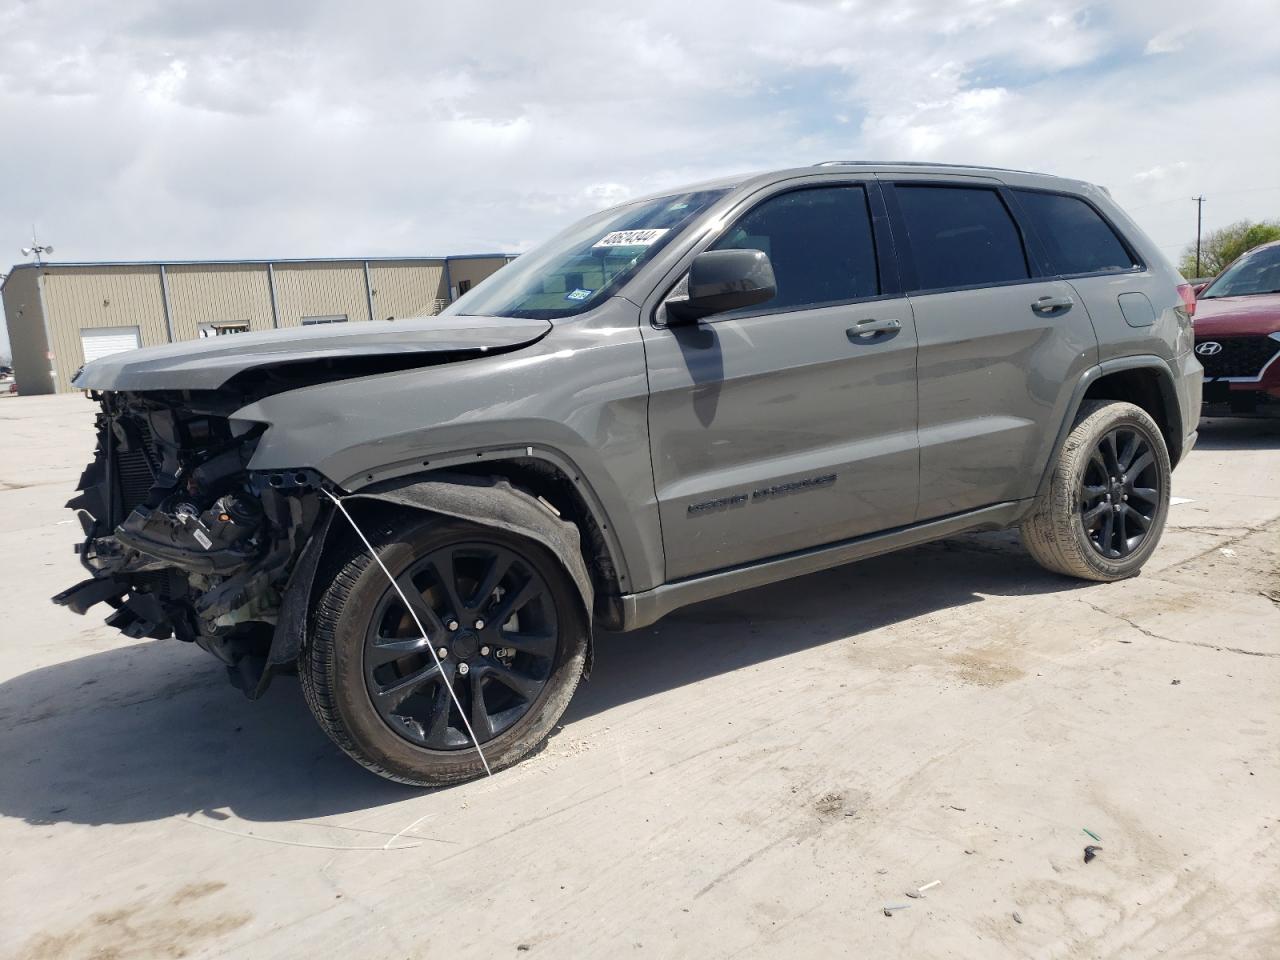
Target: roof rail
point(915, 163)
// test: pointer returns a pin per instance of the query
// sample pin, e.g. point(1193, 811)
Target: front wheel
point(1105, 508)
point(506, 640)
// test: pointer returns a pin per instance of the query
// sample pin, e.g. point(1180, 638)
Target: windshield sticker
point(579, 294)
point(630, 238)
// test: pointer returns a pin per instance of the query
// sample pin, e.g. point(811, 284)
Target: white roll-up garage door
point(104, 341)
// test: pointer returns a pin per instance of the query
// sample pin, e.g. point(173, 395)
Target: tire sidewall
point(346, 677)
point(1087, 435)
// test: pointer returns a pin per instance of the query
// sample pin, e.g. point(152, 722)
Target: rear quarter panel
point(1170, 336)
point(1168, 340)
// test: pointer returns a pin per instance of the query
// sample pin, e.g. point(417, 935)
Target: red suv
point(1238, 331)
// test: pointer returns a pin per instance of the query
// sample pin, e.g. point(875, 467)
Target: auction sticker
point(579, 294)
point(631, 238)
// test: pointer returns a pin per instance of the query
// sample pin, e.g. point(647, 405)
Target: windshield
point(1255, 272)
point(581, 267)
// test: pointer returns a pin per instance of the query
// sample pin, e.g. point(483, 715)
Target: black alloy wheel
point(490, 618)
point(1120, 492)
point(503, 618)
point(1101, 514)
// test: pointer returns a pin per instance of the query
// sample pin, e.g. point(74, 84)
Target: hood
point(209, 363)
point(1258, 314)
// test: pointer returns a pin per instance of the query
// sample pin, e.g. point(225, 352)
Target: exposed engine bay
point(181, 538)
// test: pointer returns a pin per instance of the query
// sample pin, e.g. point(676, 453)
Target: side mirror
point(1198, 287)
point(721, 280)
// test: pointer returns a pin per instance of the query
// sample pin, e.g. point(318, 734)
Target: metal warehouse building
point(61, 315)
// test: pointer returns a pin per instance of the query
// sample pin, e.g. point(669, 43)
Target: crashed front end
point(181, 537)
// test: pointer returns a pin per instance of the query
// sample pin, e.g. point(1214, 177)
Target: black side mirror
point(721, 280)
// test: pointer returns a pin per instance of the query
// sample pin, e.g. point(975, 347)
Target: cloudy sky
point(166, 129)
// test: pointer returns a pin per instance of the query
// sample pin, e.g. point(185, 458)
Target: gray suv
point(680, 397)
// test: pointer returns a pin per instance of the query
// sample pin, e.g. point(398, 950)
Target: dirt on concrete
point(761, 775)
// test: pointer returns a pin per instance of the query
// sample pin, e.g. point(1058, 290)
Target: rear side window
point(1076, 238)
point(961, 237)
point(819, 241)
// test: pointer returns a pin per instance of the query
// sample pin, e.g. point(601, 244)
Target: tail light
point(1188, 296)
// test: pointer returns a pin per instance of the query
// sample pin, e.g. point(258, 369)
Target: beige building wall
point(217, 293)
point(81, 298)
point(405, 289)
point(319, 290)
point(25, 320)
point(473, 270)
point(59, 301)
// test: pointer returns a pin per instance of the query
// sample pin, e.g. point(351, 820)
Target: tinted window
point(961, 237)
point(1076, 239)
point(819, 242)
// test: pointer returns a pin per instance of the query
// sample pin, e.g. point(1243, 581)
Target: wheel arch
point(502, 494)
point(1146, 382)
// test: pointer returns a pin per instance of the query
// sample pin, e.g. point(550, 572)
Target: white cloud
point(1160, 172)
point(1166, 41)
point(180, 128)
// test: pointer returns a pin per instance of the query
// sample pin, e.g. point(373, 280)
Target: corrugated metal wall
point(320, 289)
point(25, 321)
point(78, 297)
point(88, 297)
point(473, 269)
point(214, 293)
point(405, 289)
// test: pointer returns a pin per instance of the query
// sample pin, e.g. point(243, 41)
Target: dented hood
point(209, 363)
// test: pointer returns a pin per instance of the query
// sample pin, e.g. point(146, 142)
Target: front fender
point(579, 397)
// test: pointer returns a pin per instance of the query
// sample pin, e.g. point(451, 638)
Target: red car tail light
point(1188, 296)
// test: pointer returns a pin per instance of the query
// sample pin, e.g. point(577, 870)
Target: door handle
point(866, 329)
point(1050, 304)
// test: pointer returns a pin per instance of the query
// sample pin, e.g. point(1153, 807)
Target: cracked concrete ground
point(760, 776)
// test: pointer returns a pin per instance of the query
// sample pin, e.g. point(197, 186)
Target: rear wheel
point(1108, 497)
point(505, 644)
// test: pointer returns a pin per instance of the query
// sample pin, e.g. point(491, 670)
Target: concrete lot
point(758, 776)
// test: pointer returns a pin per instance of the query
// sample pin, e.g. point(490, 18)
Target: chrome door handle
point(866, 329)
point(1050, 304)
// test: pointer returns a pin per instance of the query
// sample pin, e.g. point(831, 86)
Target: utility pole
point(1199, 209)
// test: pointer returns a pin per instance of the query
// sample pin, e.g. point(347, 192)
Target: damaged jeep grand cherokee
point(684, 396)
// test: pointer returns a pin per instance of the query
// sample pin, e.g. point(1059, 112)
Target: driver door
point(791, 424)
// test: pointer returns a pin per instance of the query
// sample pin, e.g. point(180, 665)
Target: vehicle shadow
point(1258, 432)
point(759, 625)
point(152, 730)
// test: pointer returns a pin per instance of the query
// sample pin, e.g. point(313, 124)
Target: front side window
point(1255, 272)
point(819, 241)
point(961, 237)
point(1075, 237)
point(582, 267)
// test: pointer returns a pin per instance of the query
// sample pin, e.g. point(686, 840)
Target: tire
point(360, 620)
point(1067, 530)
